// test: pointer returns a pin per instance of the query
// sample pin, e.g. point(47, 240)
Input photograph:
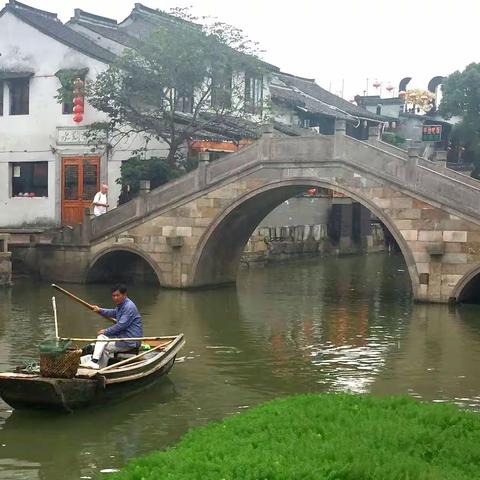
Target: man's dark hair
point(120, 287)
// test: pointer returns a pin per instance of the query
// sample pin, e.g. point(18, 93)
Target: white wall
point(299, 211)
point(388, 110)
point(33, 137)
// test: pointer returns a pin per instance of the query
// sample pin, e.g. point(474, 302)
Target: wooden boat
point(130, 374)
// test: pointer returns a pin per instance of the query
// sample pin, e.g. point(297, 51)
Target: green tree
point(136, 169)
point(461, 97)
point(185, 78)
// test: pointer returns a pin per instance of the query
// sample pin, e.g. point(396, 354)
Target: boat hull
point(70, 394)
point(26, 391)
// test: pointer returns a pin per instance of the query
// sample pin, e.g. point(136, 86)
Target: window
point(222, 88)
point(184, 102)
point(67, 108)
point(1, 97)
point(30, 179)
point(19, 96)
point(67, 78)
point(67, 83)
point(253, 94)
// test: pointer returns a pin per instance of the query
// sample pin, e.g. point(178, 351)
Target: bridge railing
point(175, 190)
point(410, 172)
point(387, 147)
point(442, 185)
point(444, 170)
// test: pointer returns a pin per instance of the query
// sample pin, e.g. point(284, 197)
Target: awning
point(212, 146)
point(72, 72)
point(9, 75)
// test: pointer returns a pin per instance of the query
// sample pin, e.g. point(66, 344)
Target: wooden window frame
point(21, 96)
point(253, 94)
point(222, 88)
point(2, 94)
point(33, 165)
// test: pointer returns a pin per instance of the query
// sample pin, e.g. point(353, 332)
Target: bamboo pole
point(81, 302)
point(113, 339)
point(54, 305)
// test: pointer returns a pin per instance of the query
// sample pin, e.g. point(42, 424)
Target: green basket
point(54, 347)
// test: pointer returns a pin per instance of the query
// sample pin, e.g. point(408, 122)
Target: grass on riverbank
point(328, 436)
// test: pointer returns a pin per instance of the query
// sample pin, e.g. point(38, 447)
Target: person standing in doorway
point(100, 201)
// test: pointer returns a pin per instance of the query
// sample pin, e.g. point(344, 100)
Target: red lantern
point(402, 93)
point(312, 191)
point(376, 84)
point(389, 87)
point(78, 101)
point(78, 117)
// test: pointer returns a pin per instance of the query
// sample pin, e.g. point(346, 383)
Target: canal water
point(336, 324)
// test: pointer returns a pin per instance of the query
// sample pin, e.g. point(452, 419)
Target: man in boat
point(128, 325)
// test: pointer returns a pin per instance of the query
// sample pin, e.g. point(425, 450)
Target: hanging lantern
point(311, 191)
point(394, 125)
point(376, 84)
point(78, 83)
point(402, 93)
point(78, 101)
point(389, 87)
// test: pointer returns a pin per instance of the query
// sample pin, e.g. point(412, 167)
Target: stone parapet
point(208, 215)
point(5, 269)
point(5, 261)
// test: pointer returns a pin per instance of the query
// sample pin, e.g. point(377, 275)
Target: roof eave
point(45, 31)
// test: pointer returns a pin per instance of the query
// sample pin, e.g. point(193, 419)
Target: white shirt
point(100, 198)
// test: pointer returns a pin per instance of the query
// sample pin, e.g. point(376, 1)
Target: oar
point(81, 302)
point(126, 339)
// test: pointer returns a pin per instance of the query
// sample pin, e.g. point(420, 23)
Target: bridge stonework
point(193, 231)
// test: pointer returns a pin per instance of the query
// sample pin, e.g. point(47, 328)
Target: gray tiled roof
point(114, 34)
point(291, 130)
point(143, 21)
point(294, 98)
point(226, 127)
point(310, 88)
point(49, 24)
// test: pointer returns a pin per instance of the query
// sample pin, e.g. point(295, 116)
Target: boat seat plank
point(83, 372)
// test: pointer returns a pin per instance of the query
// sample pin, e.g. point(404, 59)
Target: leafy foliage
point(461, 97)
point(135, 169)
point(328, 436)
point(183, 79)
point(419, 99)
point(393, 139)
point(67, 77)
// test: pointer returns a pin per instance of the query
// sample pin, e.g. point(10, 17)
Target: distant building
point(408, 125)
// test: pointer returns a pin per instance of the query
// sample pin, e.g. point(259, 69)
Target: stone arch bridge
point(192, 231)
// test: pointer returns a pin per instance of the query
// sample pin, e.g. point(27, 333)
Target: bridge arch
point(122, 263)
point(219, 250)
point(467, 288)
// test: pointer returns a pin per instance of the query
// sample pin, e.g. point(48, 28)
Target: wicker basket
point(64, 365)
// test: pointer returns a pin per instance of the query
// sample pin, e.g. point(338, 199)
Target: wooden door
point(80, 182)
